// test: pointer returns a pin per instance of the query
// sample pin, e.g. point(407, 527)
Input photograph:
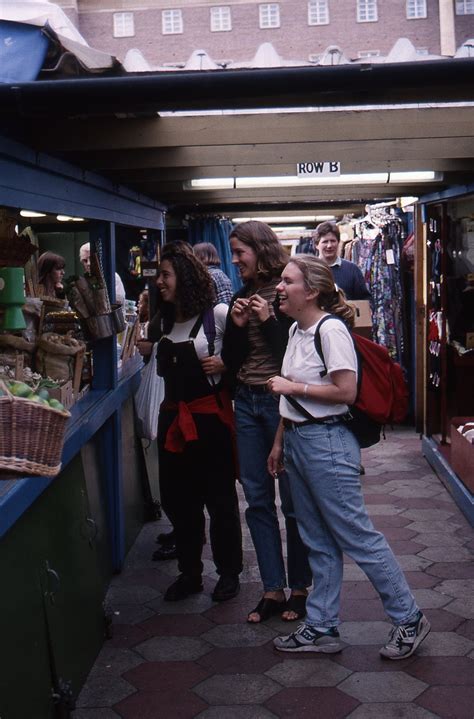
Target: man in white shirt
point(85, 258)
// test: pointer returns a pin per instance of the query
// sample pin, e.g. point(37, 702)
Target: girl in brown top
point(254, 344)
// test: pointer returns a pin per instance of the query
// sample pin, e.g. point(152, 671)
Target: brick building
point(167, 31)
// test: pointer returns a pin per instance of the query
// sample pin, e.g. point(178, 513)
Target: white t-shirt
point(302, 363)
point(181, 330)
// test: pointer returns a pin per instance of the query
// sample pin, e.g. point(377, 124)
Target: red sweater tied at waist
point(183, 428)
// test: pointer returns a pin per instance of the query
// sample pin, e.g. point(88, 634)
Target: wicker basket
point(31, 436)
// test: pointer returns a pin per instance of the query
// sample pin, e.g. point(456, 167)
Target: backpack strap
point(319, 348)
point(208, 322)
point(209, 327)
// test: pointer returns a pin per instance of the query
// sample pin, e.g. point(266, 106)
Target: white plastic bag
point(148, 398)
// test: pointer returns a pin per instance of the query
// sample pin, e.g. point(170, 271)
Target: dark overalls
point(204, 473)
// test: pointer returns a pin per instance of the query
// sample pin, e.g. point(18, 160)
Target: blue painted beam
point(460, 493)
point(35, 181)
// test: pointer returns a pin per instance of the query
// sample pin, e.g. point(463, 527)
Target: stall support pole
point(105, 377)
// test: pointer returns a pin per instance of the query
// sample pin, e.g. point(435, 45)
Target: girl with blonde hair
point(322, 459)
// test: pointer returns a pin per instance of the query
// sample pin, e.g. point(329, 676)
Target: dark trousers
point(203, 475)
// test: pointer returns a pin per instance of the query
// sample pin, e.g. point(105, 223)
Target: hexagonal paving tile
point(238, 635)
point(457, 671)
point(306, 702)
point(165, 649)
point(196, 604)
point(445, 644)
point(365, 632)
point(310, 673)
point(114, 661)
point(168, 676)
point(463, 607)
point(163, 703)
point(391, 711)
point(424, 515)
point(438, 539)
point(95, 714)
point(380, 687)
point(236, 712)
point(449, 702)
point(457, 587)
point(131, 594)
point(434, 526)
point(446, 554)
point(237, 689)
point(430, 599)
point(130, 613)
point(412, 562)
point(239, 660)
point(104, 691)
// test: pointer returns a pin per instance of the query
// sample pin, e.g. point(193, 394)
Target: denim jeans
point(323, 462)
point(257, 419)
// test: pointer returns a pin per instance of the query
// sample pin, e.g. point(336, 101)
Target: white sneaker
point(406, 638)
point(308, 639)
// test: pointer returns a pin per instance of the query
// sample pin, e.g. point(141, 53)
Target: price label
point(390, 257)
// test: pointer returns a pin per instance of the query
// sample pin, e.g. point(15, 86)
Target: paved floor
point(200, 659)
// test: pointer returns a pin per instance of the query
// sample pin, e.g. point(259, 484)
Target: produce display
point(38, 394)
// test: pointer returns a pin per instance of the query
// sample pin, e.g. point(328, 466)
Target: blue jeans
point(323, 462)
point(257, 419)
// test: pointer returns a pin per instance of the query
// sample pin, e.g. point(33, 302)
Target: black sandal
point(267, 608)
point(297, 604)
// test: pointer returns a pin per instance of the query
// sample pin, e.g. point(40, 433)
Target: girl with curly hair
point(196, 427)
point(254, 345)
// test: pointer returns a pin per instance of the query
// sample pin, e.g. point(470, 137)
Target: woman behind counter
point(254, 345)
point(51, 269)
point(195, 429)
point(322, 458)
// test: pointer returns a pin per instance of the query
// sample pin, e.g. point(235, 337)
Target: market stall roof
point(19, 17)
point(157, 132)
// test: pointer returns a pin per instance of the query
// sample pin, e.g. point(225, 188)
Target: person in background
point(322, 458)
point(85, 258)
point(207, 253)
point(347, 275)
point(51, 269)
point(196, 428)
point(254, 344)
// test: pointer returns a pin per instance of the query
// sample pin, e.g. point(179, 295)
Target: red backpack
point(382, 392)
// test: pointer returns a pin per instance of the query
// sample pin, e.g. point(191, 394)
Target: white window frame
point(171, 22)
point(464, 7)
point(124, 24)
point(368, 53)
point(318, 12)
point(367, 11)
point(416, 9)
point(221, 18)
point(269, 15)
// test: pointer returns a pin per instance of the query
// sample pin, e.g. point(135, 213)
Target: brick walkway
point(200, 659)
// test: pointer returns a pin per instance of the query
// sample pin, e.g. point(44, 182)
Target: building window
point(464, 7)
point(368, 53)
point(124, 25)
point(221, 19)
point(416, 9)
point(172, 22)
point(318, 12)
point(367, 11)
point(269, 15)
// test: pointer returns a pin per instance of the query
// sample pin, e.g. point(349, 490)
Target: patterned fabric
point(222, 284)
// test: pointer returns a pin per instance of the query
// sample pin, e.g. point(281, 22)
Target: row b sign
point(318, 169)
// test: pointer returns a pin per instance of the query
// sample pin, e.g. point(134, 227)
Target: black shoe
point(165, 552)
point(166, 538)
point(183, 587)
point(226, 588)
